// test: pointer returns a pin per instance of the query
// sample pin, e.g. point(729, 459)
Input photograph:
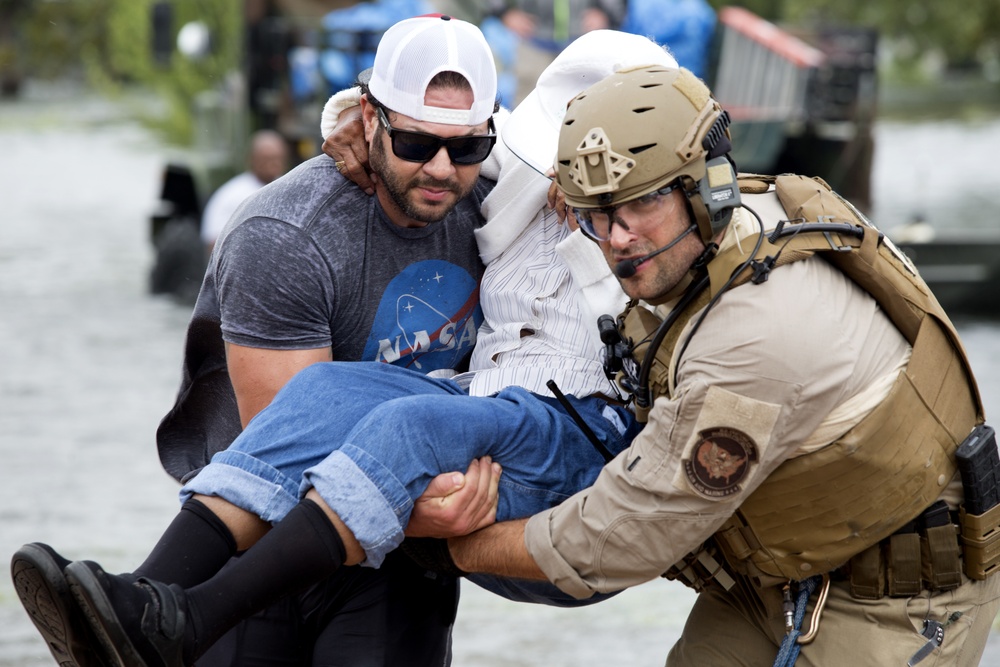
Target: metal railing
point(763, 71)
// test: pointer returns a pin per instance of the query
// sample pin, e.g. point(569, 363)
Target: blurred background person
point(686, 27)
point(545, 27)
point(267, 160)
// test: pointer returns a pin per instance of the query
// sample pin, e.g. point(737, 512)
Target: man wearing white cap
point(311, 269)
point(359, 498)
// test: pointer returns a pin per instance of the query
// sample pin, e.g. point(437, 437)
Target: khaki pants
point(727, 629)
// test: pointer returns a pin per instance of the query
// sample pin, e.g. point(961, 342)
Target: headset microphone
point(627, 267)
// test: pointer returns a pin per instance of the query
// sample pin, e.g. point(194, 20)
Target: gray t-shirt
point(311, 261)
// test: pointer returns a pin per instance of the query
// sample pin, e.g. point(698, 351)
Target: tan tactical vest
point(815, 512)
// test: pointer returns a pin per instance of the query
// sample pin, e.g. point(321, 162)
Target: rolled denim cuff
point(246, 482)
point(375, 513)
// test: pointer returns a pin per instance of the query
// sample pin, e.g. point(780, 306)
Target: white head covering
point(532, 132)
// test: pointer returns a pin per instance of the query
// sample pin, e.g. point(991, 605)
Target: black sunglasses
point(421, 147)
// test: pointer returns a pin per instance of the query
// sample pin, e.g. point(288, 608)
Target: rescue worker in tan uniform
point(804, 397)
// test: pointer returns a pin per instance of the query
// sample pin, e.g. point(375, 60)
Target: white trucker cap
point(413, 51)
point(532, 131)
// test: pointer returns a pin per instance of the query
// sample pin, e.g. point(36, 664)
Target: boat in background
point(805, 102)
point(962, 267)
point(801, 101)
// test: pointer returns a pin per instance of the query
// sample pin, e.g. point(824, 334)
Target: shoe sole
point(100, 614)
point(44, 592)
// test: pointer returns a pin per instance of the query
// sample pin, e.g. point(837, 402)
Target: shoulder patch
point(720, 460)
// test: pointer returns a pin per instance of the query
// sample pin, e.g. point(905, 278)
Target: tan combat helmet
point(641, 129)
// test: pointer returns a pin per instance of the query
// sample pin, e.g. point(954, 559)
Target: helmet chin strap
point(696, 207)
point(714, 197)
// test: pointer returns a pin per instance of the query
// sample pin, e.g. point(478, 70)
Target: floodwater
point(89, 362)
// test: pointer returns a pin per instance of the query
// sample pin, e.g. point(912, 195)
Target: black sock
point(174, 561)
point(301, 549)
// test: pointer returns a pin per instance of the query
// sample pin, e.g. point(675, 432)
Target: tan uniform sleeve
point(768, 364)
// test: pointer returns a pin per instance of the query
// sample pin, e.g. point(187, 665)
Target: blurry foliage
point(110, 43)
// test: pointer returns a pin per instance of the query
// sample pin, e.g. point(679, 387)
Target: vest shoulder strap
point(869, 258)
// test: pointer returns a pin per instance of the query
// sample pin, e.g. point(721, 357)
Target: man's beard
point(397, 188)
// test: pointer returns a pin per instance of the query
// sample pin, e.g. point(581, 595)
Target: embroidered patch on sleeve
point(729, 437)
point(719, 461)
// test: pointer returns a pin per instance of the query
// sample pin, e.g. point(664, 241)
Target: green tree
point(110, 43)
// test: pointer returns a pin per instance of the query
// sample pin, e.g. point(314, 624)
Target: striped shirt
point(539, 324)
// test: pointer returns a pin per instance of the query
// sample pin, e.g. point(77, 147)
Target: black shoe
point(37, 572)
point(140, 623)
